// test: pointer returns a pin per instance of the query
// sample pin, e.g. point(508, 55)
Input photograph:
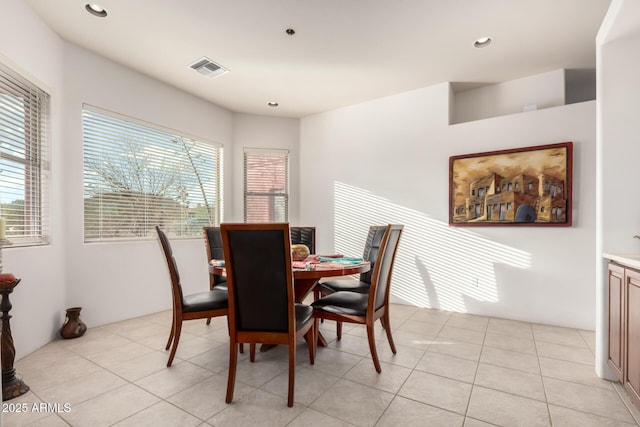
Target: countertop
point(630, 260)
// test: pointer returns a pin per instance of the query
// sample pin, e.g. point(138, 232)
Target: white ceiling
point(344, 51)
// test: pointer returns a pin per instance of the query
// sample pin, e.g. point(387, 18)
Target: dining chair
point(304, 236)
point(261, 295)
point(370, 253)
point(366, 308)
point(213, 245)
point(200, 305)
point(362, 285)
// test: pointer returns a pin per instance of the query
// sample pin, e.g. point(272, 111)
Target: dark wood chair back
point(259, 276)
point(304, 236)
point(380, 284)
point(176, 287)
point(371, 249)
point(213, 245)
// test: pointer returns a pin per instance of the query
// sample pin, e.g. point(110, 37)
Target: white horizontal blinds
point(24, 114)
point(266, 185)
point(137, 176)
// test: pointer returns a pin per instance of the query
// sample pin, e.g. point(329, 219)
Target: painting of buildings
point(526, 186)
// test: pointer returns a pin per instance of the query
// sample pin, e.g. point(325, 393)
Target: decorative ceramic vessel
point(73, 327)
point(299, 252)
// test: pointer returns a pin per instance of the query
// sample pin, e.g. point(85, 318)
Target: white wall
point(540, 91)
point(387, 161)
point(251, 131)
point(115, 281)
point(621, 145)
point(618, 220)
point(111, 281)
point(39, 299)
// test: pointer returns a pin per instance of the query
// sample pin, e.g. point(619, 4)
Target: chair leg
point(292, 373)
point(208, 320)
point(176, 340)
point(316, 296)
point(252, 351)
point(314, 339)
point(372, 347)
point(229, 328)
point(339, 330)
point(311, 338)
point(387, 329)
point(173, 326)
point(233, 362)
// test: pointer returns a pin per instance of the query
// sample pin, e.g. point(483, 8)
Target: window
point(24, 114)
point(137, 176)
point(266, 185)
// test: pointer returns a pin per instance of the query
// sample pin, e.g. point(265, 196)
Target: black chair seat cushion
point(304, 313)
point(351, 285)
point(203, 301)
point(344, 302)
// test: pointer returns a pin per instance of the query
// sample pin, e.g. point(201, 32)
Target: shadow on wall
point(436, 266)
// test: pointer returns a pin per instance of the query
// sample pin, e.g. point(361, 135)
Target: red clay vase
point(73, 327)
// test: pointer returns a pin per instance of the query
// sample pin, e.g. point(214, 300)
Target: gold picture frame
point(530, 186)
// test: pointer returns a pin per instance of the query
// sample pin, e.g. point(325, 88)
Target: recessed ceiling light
point(482, 42)
point(96, 10)
point(290, 31)
point(272, 104)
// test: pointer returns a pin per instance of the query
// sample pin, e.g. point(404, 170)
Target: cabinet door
point(632, 334)
point(616, 318)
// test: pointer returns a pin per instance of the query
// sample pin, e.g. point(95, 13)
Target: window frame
point(270, 195)
point(27, 135)
point(154, 137)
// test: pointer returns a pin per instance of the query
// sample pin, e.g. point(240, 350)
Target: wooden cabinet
point(632, 334)
point(616, 319)
point(624, 327)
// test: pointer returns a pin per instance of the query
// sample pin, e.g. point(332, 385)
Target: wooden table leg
point(303, 287)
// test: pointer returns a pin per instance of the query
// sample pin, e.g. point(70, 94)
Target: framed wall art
point(528, 186)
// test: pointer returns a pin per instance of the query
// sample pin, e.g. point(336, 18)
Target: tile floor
point(451, 369)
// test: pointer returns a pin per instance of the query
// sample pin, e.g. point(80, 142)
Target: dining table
point(304, 280)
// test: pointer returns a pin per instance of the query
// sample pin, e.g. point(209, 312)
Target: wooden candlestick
point(11, 386)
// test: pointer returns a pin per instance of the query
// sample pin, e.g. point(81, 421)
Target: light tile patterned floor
point(451, 370)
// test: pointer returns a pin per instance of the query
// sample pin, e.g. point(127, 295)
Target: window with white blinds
point(24, 115)
point(266, 185)
point(137, 176)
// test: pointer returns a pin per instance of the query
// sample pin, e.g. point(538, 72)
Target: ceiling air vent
point(208, 68)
